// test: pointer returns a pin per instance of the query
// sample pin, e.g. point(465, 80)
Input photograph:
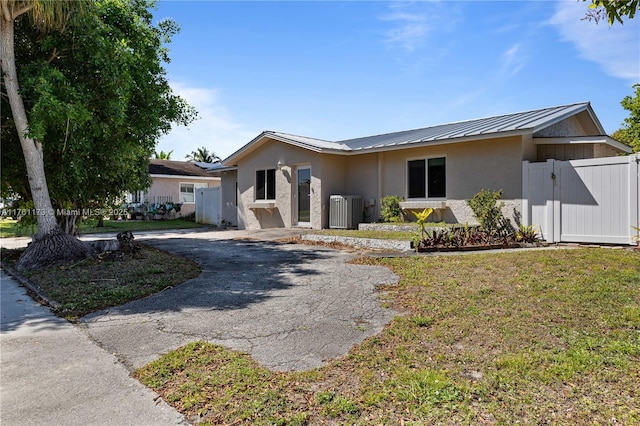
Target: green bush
point(390, 210)
point(488, 211)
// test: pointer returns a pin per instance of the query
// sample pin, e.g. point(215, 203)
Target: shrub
point(390, 210)
point(527, 234)
point(488, 212)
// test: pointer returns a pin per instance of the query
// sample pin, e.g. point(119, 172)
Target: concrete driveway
point(290, 306)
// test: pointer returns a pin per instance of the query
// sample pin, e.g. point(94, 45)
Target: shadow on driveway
point(291, 306)
point(235, 274)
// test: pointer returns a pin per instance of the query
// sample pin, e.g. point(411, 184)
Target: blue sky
point(336, 70)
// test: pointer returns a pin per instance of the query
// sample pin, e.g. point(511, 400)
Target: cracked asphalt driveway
point(290, 306)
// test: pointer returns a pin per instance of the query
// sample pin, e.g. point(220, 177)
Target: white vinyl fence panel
point(208, 205)
point(586, 201)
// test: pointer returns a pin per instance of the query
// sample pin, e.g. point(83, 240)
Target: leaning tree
point(95, 90)
point(50, 244)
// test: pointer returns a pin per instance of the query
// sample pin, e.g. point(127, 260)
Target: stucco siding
point(529, 148)
point(333, 177)
point(229, 197)
point(470, 167)
point(362, 179)
point(265, 157)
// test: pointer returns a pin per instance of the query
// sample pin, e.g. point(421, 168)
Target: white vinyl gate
point(585, 201)
point(208, 205)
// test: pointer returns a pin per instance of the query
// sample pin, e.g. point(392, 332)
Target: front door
point(304, 196)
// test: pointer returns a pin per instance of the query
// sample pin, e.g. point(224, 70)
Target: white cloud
point(513, 59)
point(411, 23)
point(614, 48)
point(215, 128)
point(409, 31)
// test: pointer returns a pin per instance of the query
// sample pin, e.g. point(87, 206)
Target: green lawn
point(10, 228)
point(531, 337)
point(90, 227)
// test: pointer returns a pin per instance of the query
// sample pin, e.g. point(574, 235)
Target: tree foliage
point(97, 95)
point(611, 10)
point(629, 133)
point(202, 155)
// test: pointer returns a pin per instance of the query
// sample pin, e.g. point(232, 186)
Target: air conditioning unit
point(345, 211)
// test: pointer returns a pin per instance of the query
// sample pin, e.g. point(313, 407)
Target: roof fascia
point(223, 170)
point(266, 135)
point(583, 139)
point(595, 119)
point(183, 177)
point(578, 108)
point(295, 143)
point(247, 148)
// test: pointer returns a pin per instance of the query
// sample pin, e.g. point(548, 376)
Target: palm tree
point(162, 155)
point(202, 155)
point(46, 14)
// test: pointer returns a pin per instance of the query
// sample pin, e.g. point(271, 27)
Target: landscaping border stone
point(368, 243)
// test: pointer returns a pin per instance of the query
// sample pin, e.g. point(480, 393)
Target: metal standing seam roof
point(308, 142)
point(516, 122)
point(519, 122)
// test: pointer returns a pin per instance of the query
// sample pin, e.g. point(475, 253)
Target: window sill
point(262, 205)
point(269, 206)
point(423, 204)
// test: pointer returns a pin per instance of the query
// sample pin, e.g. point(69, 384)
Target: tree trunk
point(34, 160)
point(54, 248)
point(70, 224)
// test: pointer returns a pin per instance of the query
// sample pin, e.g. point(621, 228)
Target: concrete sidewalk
point(53, 374)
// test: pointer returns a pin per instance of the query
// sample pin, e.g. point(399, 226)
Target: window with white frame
point(427, 178)
point(266, 184)
point(188, 190)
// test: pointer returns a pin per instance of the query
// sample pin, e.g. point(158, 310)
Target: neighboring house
point(283, 180)
point(175, 182)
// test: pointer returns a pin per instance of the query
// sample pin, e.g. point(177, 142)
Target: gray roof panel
point(517, 122)
point(500, 125)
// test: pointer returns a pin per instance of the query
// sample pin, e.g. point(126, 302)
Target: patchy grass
point(9, 227)
point(112, 280)
point(533, 337)
point(89, 227)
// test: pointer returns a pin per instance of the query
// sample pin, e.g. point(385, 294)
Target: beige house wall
point(251, 215)
point(470, 167)
point(335, 180)
point(494, 164)
point(170, 186)
point(229, 197)
point(362, 179)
